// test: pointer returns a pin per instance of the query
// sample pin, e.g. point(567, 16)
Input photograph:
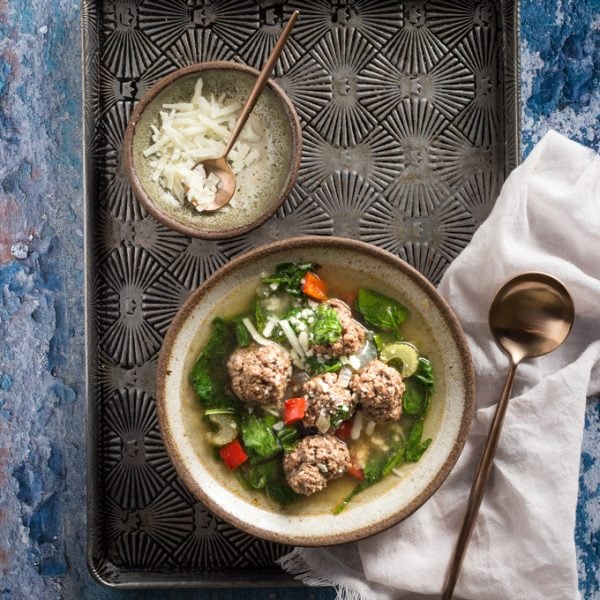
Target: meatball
point(379, 389)
point(316, 460)
point(260, 374)
point(325, 398)
point(353, 333)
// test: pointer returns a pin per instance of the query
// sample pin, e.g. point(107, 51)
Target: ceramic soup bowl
point(310, 521)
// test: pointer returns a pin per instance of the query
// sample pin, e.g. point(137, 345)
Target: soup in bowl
point(315, 391)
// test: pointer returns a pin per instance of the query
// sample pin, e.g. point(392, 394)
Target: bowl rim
point(145, 199)
point(309, 243)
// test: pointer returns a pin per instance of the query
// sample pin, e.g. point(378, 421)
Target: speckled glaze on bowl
point(272, 178)
point(380, 506)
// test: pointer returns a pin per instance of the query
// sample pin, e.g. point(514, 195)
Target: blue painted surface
point(42, 430)
point(561, 90)
point(560, 54)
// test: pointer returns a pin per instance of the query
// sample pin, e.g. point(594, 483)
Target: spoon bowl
point(227, 182)
point(531, 315)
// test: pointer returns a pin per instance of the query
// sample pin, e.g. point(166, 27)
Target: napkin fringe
point(296, 565)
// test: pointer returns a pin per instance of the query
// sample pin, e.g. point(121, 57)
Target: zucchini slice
point(226, 429)
point(404, 353)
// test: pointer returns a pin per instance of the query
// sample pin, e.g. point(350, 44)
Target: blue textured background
point(42, 408)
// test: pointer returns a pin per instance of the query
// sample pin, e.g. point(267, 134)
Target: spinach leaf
point(385, 338)
point(288, 277)
point(326, 328)
point(281, 492)
point(395, 459)
point(258, 436)
point(209, 376)
point(260, 314)
point(379, 310)
point(377, 467)
point(288, 437)
point(414, 447)
point(269, 477)
point(242, 335)
point(419, 388)
point(316, 367)
point(258, 475)
point(424, 375)
point(414, 400)
point(374, 468)
point(381, 466)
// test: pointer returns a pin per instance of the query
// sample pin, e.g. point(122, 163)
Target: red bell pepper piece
point(344, 430)
point(356, 472)
point(233, 455)
point(294, 410)
point(314, 287)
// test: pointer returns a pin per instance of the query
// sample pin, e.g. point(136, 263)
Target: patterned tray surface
point(408, 113)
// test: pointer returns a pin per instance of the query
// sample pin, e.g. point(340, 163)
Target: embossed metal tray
point(410, 116)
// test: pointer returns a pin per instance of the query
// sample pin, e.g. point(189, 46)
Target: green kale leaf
point(380, 311)
point(288, 277)
point(414, 447)
point(258, 436)
point(326, 328)
point(209, 376)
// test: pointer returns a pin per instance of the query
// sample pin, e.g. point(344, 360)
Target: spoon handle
point(478, 487)
point(261, 82)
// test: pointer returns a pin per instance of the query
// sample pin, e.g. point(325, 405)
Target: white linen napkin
point(547, 218)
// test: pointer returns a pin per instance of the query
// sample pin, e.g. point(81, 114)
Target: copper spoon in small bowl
point(531, 315)
point(219, 166)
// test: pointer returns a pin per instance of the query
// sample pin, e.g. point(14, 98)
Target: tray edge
point(99, 568)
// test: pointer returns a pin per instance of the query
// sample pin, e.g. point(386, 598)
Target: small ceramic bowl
point(310, 522)
point(272, 177)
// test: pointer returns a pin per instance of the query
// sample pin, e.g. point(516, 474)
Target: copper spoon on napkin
point(531, 315)
point(219, 166)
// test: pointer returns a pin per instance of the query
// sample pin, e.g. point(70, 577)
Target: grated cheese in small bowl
point(191, 132)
